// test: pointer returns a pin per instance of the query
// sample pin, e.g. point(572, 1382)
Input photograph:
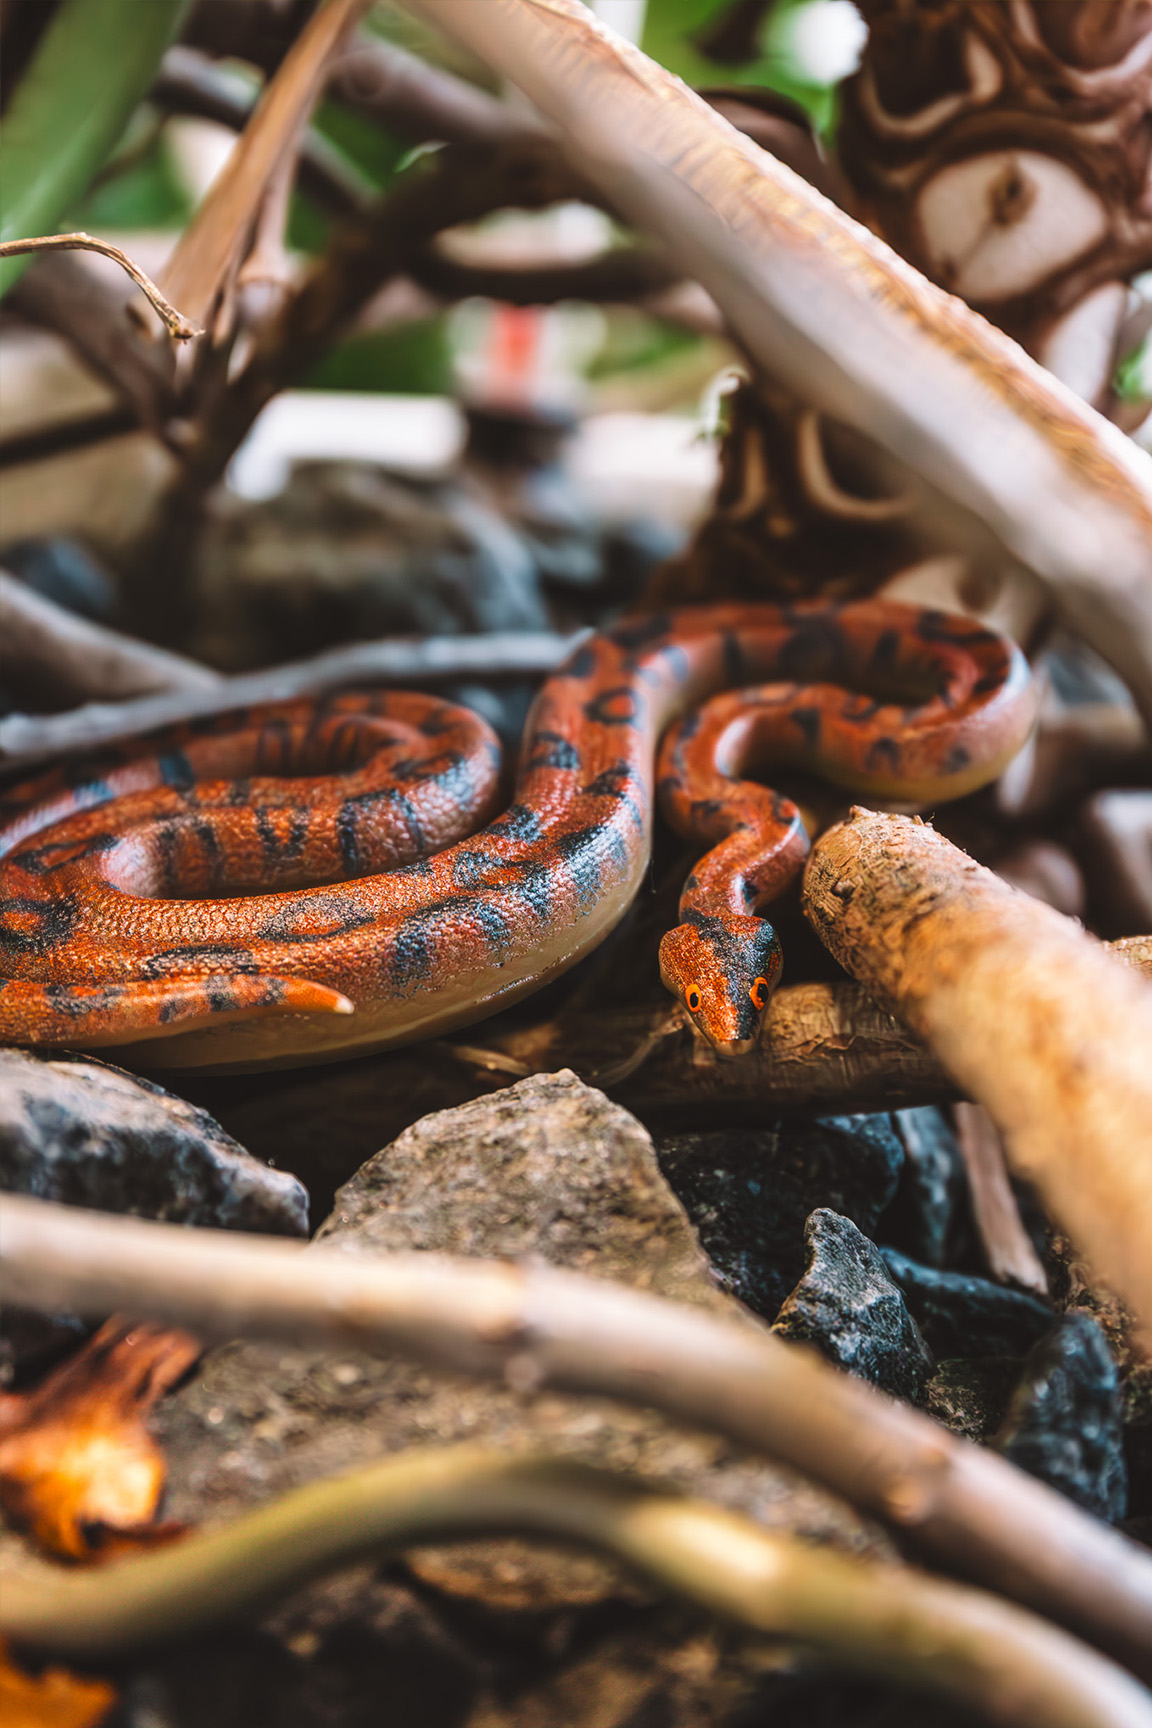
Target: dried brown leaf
point(54, 1698)
point(78, 1467)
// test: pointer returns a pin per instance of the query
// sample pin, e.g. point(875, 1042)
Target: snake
point(316, 879)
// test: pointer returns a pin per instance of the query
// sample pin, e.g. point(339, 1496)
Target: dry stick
point(180, 328)
point(1007, 1246)
point(886, 1620)
point(84, 660)
point(1033, 1018)
point(837, 318)
point(27, 740)
point(211, 248)
point(536, 1326)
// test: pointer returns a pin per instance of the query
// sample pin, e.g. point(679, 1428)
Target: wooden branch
point(211, 248)
point(1007, 1245)
point(967, 1507)
point(180, 328)
point(1032, 1017)
point(884, 1620)
point(28, 740)
point(191, 83)
point(79, 660)
point(625, 274)
point(90, 312)
point(838, 319)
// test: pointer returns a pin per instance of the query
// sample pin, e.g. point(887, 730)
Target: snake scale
point(317, 879)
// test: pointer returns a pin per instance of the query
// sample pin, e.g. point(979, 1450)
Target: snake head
point(724, 968)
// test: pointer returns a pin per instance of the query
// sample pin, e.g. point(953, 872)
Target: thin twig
point(179, 327)
point(885, 1620)
point(1007, 1246)
point(538, 1325)
point(27, 740)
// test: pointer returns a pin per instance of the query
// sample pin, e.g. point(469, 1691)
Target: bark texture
point(1032, 1017)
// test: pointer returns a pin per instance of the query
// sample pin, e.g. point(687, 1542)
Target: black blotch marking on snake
point(551, 750)
point(619, 706)
point(53, 923)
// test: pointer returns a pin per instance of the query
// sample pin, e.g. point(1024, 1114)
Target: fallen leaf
point(78, 1467)
point(54, 1698)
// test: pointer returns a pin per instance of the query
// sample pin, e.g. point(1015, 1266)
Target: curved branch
point(181, 329)
point(539, 1326)
point(886, 1620)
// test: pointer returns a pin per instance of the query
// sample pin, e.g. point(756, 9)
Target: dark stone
point(75, 1130)
point(80, 1132)
point(970, 1397)
point(962, 1315)
point(1064, 1421)
point(922, 1219)
point(848, 1306)
point(749, 1193)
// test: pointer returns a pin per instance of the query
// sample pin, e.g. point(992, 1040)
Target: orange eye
point(759, 993)
point(693, 999)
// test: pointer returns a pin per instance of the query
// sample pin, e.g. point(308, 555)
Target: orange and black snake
point(318, 879)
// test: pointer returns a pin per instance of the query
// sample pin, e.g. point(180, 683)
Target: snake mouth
point(729, 1049)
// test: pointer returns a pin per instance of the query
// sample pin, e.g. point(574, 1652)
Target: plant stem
point(886, 1620)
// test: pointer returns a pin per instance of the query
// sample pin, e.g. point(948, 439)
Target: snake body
point(134, 896)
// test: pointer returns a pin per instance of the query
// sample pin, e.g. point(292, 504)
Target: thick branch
point(838, 319)
point(1033, 1018)
point(967, 1507)
point(885, 1620)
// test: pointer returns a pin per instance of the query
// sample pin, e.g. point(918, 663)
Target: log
point(1031, 1016)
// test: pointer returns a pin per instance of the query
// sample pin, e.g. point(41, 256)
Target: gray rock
point(78, 1131)
point(547, 1169)
point(848, 1306)
point(962, 1315)
point(749, 1193)
point(1064, 1422)
point(923, 1216)
point(971, 1396)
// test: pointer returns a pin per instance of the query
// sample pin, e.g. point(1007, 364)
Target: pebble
point(848, 1307)
point(962, 1315)
point(749, 1193)
point(1064, 1421)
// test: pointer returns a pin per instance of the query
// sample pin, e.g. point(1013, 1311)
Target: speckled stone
point(962, 1315)
point(78, 1131)
point(749, 1193)
point(922, 1219)
point(1064, 1422)
point(849, 1308)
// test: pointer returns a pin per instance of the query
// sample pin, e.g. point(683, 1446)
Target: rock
point(962, 1315)
point(1063, 1424)
point(75, 1130)
point(922, 1217)
point(748, 1194)
point(547, 1169)
point(848, 1306)
point(970, 1397)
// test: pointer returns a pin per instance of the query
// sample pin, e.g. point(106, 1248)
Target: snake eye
point(693, 999)
point(759, 993)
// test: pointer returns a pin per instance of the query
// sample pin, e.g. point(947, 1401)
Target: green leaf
point(93, 65)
